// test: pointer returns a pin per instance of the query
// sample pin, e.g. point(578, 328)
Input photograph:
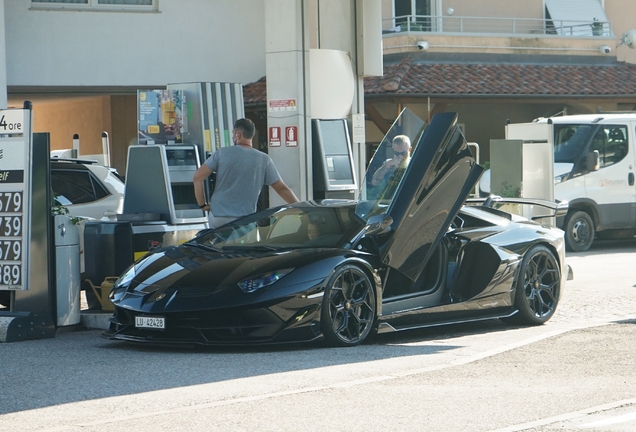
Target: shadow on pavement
point(78, 366)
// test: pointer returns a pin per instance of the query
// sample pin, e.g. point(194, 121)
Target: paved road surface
point(577, 372)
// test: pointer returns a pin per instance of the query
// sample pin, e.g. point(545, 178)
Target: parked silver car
point(85, 188)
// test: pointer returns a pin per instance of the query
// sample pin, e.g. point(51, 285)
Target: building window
point(413, 14)
point(104, 5)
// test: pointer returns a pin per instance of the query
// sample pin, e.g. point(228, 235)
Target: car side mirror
point(562, 208)
point(591, 161)
point(379, 224)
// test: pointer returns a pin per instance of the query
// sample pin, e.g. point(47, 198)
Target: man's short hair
point(402, 139)
point(246, 126)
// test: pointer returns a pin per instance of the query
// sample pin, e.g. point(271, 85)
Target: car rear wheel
point(579, 231)
point(348, 308)
point(538, 287)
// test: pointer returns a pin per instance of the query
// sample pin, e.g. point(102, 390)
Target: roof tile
point(485, 79)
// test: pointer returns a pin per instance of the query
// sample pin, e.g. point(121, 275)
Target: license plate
point(150, 322)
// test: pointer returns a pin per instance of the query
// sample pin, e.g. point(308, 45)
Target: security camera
point(606, 49)
point(422, 45)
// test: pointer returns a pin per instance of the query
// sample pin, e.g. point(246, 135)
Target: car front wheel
point(348, 308)
point(538, 287)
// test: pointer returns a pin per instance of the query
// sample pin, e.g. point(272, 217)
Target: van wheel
point(579, 231)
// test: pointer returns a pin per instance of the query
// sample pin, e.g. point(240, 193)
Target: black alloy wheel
point(538, 287)
point(579, 231)
point(348, 308)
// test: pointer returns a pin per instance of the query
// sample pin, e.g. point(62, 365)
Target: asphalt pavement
point(576, 372)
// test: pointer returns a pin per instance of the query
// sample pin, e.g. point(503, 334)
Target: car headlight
point(126, 277)
point(252, 284)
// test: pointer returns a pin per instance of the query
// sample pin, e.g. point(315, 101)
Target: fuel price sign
point(15, 136)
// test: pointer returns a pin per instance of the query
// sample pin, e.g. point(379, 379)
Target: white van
point(594, 170)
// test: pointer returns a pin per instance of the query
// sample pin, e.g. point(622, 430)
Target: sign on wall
point(160, 116)
point(274, 136)
point(291, 136)
point(276, 105)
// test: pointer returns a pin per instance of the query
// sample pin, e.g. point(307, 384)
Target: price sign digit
point(17, 202)
point(17, 250)
point(17, 226)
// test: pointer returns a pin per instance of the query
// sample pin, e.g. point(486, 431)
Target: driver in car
point(401, 145)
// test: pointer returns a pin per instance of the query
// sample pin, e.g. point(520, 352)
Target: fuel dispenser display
point(159, 182)
point(332, 160)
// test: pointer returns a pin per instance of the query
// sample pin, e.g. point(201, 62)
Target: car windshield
point(388, 164)
point(285, 228)
point(569, 140)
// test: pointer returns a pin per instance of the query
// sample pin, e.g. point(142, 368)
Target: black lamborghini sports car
point(409, 254)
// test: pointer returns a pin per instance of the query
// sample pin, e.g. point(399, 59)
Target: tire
point(537, 288)
point(348, 308)
point(579, 231)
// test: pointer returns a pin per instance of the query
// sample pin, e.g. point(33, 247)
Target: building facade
point(503, 60)
point(81, 62)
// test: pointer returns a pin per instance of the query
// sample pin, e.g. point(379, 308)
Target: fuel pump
point(332, 160)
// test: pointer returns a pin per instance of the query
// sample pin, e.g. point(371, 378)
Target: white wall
point(3, 75)
point(186, 41)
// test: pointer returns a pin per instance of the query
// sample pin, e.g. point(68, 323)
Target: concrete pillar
point(292, 28)
point(287, 71)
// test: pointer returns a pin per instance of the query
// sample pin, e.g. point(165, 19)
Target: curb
point(95, 320)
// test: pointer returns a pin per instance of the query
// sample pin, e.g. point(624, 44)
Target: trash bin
point(108, 251)
point(67, 271)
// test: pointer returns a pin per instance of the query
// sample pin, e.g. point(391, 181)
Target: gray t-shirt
point(241, 173)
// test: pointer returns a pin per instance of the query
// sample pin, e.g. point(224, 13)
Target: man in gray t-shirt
point(241, 172)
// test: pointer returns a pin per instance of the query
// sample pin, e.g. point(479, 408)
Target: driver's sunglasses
point(400, 153)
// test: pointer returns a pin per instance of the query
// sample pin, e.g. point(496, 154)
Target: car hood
point(438, 179)
point(187, 266)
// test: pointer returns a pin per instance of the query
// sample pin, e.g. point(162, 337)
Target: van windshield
point(569, 140)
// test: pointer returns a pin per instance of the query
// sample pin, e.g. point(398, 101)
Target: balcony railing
point(495, 26)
